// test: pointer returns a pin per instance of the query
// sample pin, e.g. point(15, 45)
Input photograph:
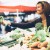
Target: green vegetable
point(38, 26)
point(28, 30)
point(41, 35)
point(9, 43)
point(16, 31)
point(48, 33)
point(1, 18)
point(16, 36)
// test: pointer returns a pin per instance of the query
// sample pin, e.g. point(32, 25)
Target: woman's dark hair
point(45, 6)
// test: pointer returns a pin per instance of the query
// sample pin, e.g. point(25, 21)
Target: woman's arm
point(26, 25)
point(23, 25)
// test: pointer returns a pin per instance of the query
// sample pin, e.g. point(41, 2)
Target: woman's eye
point(38, 7)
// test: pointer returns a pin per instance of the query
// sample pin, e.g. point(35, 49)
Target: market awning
point(14, 8)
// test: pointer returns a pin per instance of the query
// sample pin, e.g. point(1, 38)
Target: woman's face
point(39, 8)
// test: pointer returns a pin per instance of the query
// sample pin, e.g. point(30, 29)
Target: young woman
point(43, 9)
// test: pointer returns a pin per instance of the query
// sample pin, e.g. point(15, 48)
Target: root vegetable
point(44, 44)
point(43, 48)
point(34, 49)
point(34, 44)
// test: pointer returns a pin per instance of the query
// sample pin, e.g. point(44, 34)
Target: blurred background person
point(2, 26)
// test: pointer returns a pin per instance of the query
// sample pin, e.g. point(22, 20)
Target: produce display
point(34, 38)
point(10, 39)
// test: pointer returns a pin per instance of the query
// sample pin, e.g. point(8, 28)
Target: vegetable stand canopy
point(14, 8)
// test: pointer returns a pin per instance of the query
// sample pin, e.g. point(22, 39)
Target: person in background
point(2, 26)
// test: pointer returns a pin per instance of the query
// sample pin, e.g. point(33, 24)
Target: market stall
point(30, 33)
point(26, 39)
